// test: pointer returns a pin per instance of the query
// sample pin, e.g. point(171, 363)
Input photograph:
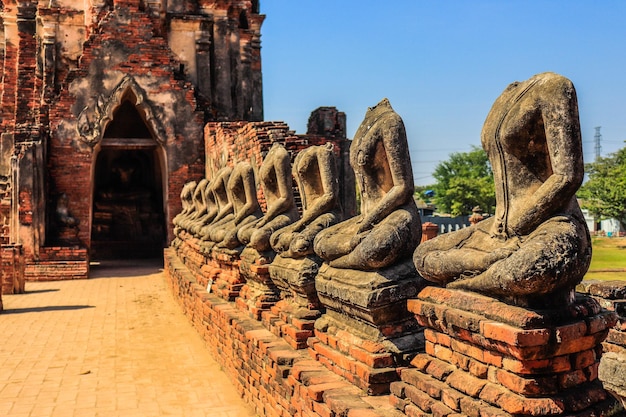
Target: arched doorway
point(128, 211)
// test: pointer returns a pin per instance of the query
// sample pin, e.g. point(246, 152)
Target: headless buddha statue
point(389, 227)
point(199, 205)
point(218, 188)
point(537, 243)
point(186, 196)
point(315, 172)
point(276, 182)
point(210, 211)
point(246, 209)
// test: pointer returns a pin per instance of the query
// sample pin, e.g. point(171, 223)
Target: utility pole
point(597, 139)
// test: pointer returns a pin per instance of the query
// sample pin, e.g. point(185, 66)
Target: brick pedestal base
point(259, 293)
point(222, 270)
point(612, 371)
point(58, 263)
point(368, 308)
point(487, 358)
point(294, 316)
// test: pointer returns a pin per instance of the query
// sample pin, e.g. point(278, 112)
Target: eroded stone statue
point(199, 205)
point(537, 243)
point(219, 186)
point(186, 199)
point(210, 211)
point(389, 227)
point(246, 209)
point(315, 172)
point(276, 182)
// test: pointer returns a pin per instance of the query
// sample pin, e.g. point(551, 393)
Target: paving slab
point(116, 344)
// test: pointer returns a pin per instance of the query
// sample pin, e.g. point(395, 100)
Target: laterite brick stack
point(486, 358)
point(12, 269)
point(612, 372)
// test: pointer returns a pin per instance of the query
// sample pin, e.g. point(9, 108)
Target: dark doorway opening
point(128, 218)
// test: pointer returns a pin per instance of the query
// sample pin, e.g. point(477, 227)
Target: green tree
point(464, 181)
point(604, 194)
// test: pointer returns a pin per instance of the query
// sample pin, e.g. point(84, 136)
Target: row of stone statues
point(226, 212)
point(534, 250)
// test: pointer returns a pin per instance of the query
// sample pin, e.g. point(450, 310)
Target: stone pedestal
point(369, 307)
point(487, 358)
point(293, 317)
point(259, 293)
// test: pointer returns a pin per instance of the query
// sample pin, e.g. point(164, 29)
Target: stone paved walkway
point(114, 345)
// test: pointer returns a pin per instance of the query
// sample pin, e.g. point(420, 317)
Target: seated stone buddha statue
point(242, 194)
point(315, 172)
point(536, 247)
point(276, 183)
point(389, 227)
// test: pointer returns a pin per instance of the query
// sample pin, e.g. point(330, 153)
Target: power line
point(597, 138)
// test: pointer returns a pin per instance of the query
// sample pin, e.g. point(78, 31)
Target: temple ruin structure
point(134, 128)
point(103, 109)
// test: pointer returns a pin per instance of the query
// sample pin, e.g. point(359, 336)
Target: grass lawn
point(608, 261)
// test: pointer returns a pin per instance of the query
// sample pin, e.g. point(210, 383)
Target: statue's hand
point(357, 239)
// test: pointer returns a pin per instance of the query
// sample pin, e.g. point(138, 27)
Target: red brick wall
point(227, 143)
point(275, 379)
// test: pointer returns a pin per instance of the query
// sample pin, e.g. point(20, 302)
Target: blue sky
point(441, 64)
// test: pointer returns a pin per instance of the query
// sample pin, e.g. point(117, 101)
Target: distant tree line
point(463, 182)
point(604, 193)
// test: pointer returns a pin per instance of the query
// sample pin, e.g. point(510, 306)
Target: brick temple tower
point(102, 106)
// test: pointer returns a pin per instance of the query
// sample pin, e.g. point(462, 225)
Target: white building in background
point(608, 227)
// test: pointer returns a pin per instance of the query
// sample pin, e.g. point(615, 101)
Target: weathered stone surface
point(315, 172)
point(246, 209)
point(296, 279)
point(186, 199)
point(389, 227)
point(375, 296)
point(219, 188)
point(612, 373)
point(612, 290)
point(537, 247)
point(276, 182)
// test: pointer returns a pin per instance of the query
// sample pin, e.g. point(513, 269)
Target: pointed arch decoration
point(94, 118)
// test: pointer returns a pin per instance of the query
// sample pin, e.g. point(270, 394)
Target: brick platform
point(272, 376)
point(612, 371)
point(487, 358)
point(368, 308)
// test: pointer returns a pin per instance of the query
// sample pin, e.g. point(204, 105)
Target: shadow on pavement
point(124, 268)
point(43, 309)
point(42, 291)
